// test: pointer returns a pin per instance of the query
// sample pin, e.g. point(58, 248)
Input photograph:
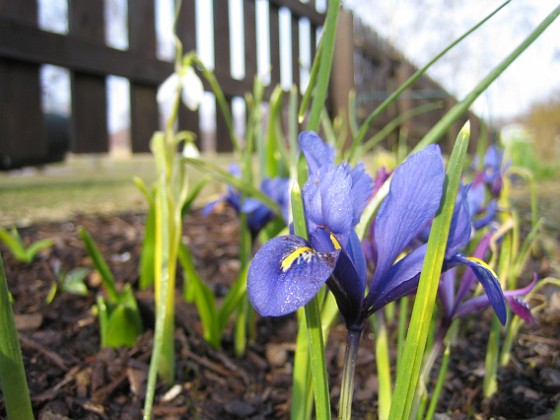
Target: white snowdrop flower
point(190, 150)
point(193, 90)
point(191, 86)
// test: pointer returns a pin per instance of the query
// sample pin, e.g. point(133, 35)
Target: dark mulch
point(71, 377)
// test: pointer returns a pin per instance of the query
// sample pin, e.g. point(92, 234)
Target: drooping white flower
point(190, 85)
point(192, 90)
point(190, 150)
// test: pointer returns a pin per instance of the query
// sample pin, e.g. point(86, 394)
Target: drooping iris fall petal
point(285, 274)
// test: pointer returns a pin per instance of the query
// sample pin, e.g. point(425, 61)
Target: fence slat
point(186, 31)
point(89, 132)
point(22, 126)
point(295, 50)
point(250, 34)
point(222, 65)
point(144, 114)
point(274, 21)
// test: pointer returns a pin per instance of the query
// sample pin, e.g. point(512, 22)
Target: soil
point(70, 376)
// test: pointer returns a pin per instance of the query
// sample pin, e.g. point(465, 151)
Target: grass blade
point(413, 353)
point(12, 371)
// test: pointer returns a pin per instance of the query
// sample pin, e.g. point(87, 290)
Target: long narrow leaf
point(385, 104)
point(100, 265)
point(459, 109)
point(203, 298)
point(413, 353)
point(325, 64)
point(12, 371)
point(236, 182)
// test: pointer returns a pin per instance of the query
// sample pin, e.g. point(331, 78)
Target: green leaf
point(235, 182)
point(202, 296)
point(12, 371)
point(232, 299)
point(385, 104)
point(460, 108)
point(37, 247)
point(13, 241)
point(147, 264)
point(120, 331)
point(413, 353)
point(325, 63)
point(100, 265)
point(74, 281)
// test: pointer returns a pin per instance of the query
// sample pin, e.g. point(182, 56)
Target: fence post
point(342, 73)
point(20, 97)
point(144, 113)
point(89, 133)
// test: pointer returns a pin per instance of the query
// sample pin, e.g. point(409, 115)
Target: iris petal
point(400, 280)
point(413, 199)
point(348, 287)
point(489, 282)
point(317, 153)
point(328, 201)
point(285, 274)
point(362, 187)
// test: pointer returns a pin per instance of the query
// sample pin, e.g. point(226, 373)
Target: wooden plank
point(22, 127)
point(144, 113)
point(250, 38)
point(144, 116)
point(89, 133)
point(222, 62)
point(24, 11)
point(274, 22)
point(186, 31)
point(299, 9)
point(186, 25)
point(295, 51)
point(32, 45)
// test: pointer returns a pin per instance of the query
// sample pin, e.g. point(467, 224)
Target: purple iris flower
point(492, 170)
point(258, 214)
point(288, 270)
point(455, 307)
point(481, 214)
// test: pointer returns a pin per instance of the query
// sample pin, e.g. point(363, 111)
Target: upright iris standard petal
point(489, 282)
point(285, 274)
point(327, 197)
point(362, 188)
point(413, 199)
point(317, 153)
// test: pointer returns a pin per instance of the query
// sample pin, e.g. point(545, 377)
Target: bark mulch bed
point(71, 377)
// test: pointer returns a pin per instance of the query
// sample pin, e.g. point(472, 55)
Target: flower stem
point(347, 389)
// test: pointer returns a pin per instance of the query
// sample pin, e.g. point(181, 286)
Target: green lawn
point(82, 185)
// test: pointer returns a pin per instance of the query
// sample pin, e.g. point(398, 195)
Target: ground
point(71, 377)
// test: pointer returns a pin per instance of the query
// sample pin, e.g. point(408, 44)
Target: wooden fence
point(83, 51)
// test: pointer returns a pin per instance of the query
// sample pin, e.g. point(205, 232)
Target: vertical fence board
point(274, 29)
point(250, 35)
point(22, 132)
point(295, 51)
point(22, 126)
point(222, 67)
point(89, 95)
point(186, 32)
point(144, 114)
